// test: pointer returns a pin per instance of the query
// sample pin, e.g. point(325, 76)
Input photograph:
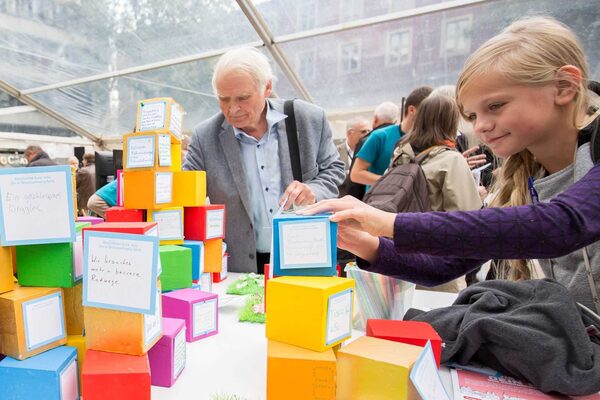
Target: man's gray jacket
point(215, 149)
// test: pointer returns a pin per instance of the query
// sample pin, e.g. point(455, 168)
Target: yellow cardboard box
point(148, 189)
point(162, 115)
point(170, 224)
point(74, 309)
point(6, 270)
point(150, 151)
point(189, 188)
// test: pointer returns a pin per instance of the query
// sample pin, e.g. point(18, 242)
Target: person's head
point(385, 113)
point(73, 161)
point(411, 105)
point(356, 129)
point(242, 81)
point(89, 158)
point(32, 151)
point(525, 92)
point(435, 123)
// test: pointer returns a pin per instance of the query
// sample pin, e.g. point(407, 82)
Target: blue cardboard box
point(197, 248)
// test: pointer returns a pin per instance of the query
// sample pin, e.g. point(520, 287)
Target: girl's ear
point(568, 79)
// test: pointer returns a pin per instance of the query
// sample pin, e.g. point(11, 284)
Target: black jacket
point(41, 159)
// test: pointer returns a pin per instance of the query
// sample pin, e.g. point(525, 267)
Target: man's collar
point(273, 116)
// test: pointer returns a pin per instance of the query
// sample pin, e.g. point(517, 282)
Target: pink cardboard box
point(92, 220)
point(199, 310)
point(167, 356)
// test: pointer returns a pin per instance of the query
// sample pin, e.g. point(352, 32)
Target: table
point(234, 361)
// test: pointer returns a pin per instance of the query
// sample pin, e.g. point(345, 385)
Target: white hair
point(387, 112)
point(446, 90)
point(247, 59)
point(356, 121)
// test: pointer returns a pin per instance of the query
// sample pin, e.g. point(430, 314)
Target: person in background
point(244, 151)
point(356, 129)
point(86, 182)
point(73, 162)
point(526, 93)
point(37, 157)
point(104, 198)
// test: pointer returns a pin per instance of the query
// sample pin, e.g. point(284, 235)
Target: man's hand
point(475, 160)
point(297, 193)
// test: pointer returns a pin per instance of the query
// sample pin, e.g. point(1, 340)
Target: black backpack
point(402, 188)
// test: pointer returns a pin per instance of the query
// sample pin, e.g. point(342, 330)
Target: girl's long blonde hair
point(528, 52)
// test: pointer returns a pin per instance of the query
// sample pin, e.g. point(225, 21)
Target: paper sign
point(339, 316)
point(119, 271)
point(36, 205)
point(164, 150)
point(164, 187)
point(179, 353)
point(214, 224)
point(140, 151)
point(424, 375)
point(205, 317)
point(153, 322)
point(44, 320)
point(69, 389)
point(175, 123)
point(170, 225)
point(152, 116)
point(304, 244)
point(206, 282)
point(78, 257)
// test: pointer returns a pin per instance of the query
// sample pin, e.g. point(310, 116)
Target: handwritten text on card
point(304, 244)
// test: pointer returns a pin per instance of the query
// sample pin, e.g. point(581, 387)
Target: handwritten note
point(304, 244)
point(163, 190)
point(140, 151)
point(153, 322)
point(44, 320)
point(164, 150)
point(175, 122)
point(214, 223)
point(205, 317)
point(120, 271)
point(152, 116)
point(170, 224)
point(179, 353)
point(78, 257)
point(424, 375)
point(29, 196)
point(339, 316)
point(69, 389)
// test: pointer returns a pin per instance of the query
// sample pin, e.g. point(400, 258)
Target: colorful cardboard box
point(213, 255)
point(148, 151)
point(121, 331)
point(6, 270)
point(52, 264)
point(205, 222)
point(121, 214)
point(206, 282)
point(78, 341)
point(221, 276)
point(74, 309)
point(115, 376)
point(148, 189)
point(176, 262)
point(304, 245)
point(51, 375)
point(189, 188)
point(167, 356)
point(197, 249)
point(31, 321)
point(199, 310)
point(91, 220)
point(297, 373)
point(416, 333)
point(170, 224)
point(312, 312)
point(136, 228)
point(371, 368)
point(161, 115)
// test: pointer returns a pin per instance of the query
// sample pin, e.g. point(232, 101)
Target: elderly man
point(244, 151)
point(356, 129)
point(37, 157)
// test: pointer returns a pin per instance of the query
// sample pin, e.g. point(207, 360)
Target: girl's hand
point(352, 213)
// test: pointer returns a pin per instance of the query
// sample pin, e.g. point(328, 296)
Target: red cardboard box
point(204, 222)
point(121, 214)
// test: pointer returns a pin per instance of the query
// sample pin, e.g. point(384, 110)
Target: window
point(456, 36)
point(306, 14)
point(398, 48)
point(351, 10)
point(306, 64)
point(349, 57)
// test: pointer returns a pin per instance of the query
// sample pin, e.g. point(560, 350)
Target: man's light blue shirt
point(263, 174)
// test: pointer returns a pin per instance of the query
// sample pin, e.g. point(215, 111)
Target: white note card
point(78, 256)
point(31, 195)
point(44, 320)
point(153, 322)
point(164, 150)
point(120, 271)
point(424, 375)
point(339, 316)
point(205, 317)
point(69, 389)
point(214, 223)
point(140, 151)
point(152, 116)
point(170, 224)
point(164, 187)
point(179, 353)
point(175, 123)
point(304, 244)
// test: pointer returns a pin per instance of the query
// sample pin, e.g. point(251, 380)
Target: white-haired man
point(356, 129)
point(244, 151)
